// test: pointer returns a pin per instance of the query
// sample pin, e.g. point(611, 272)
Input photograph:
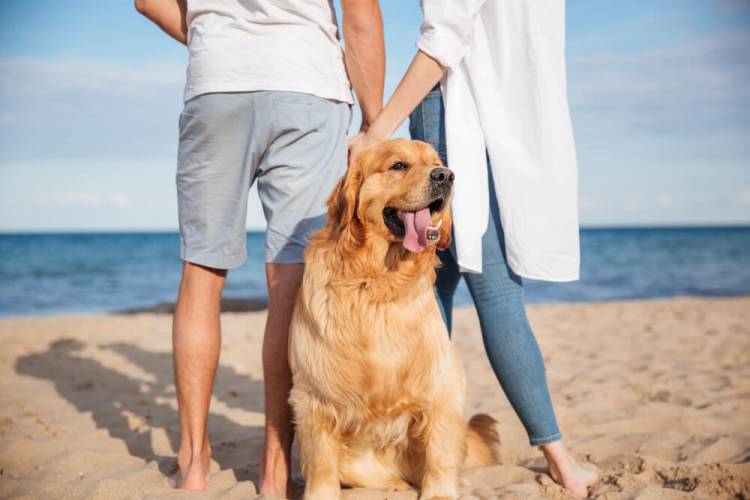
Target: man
point(268, 98)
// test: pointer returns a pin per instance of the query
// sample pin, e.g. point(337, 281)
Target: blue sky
point(90, 93)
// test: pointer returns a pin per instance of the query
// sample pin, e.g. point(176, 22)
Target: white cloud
point(666, 208)
point(7, 119)
point(744, 197)
point(636, 205)
point(586, 202)
point(589, 206)
point(662, 133)
point(42, 78)
point(81, 199)
point(665, 200)
point(120, 200)
point(640, 118)
point(696, 91)
point(92, 194)
point(68, 199)
point(83, 109)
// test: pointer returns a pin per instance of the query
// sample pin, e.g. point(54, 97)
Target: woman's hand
point(362, 141)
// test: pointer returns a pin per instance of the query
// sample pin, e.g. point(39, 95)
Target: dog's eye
point(399, 165)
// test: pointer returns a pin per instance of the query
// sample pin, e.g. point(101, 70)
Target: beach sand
point(656, 393)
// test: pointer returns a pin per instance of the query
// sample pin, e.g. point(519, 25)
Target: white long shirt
point(505, 96)
point(247, 45)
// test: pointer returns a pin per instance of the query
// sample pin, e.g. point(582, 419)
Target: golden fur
point(378, 393)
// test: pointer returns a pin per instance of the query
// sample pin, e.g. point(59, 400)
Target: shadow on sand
point(132, 409)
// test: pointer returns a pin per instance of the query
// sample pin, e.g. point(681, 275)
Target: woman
point(500, 120)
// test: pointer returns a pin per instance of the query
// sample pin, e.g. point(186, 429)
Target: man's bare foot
point(274, 478)
point(567, 471)
point(193, 470)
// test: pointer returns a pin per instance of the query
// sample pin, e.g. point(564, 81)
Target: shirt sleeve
point(447, 28)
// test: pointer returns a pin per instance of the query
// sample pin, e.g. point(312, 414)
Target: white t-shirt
point(247, 45)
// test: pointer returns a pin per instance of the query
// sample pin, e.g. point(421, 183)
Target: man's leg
point(298, 169)
point(283, 282)
point(196, 338)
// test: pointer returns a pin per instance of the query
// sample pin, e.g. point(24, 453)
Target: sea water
point(44, 274)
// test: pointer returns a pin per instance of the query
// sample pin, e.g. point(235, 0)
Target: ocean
point(43, 274)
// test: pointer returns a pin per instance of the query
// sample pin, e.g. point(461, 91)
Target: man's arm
point(169, 15)
point(365, 55)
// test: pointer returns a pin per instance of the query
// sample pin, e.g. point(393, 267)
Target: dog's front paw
point(438, 497)
point(436, 491)
point(399, 485)
point(328, 492)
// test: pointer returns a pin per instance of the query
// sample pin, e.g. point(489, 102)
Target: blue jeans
point(498, 296)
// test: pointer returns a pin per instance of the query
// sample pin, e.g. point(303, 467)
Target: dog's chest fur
point(399, 345)
point(383, 357)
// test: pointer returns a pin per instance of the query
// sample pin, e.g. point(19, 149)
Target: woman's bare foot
point(567, 471)
point(193, 469)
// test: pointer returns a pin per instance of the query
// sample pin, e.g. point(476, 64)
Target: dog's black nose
point(442, 176)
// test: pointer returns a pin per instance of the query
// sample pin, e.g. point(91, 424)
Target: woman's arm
point(423, 73)
point(169, 15)
point(445, 39)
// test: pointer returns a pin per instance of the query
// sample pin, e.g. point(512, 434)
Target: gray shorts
point(293, 144)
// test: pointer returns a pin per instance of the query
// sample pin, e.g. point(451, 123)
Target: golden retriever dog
point(378, 392)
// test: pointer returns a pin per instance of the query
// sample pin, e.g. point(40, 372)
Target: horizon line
point(583, 227)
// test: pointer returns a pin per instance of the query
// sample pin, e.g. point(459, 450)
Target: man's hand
point(169, 15)
point(365, 55)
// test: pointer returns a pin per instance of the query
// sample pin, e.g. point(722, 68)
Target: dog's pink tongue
point(416, 224)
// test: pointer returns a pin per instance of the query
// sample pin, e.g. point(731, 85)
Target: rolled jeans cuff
point(539, 441)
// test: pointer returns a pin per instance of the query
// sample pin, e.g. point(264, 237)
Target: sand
point(656, 393)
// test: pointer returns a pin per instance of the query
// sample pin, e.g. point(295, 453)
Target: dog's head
point(398, 191)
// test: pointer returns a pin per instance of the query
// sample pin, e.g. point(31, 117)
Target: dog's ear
point(445, 229)
point(344, 201)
